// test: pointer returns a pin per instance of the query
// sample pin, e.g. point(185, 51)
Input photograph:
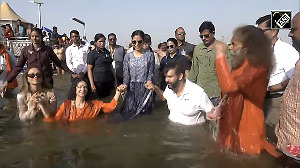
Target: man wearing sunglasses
point(185, 48)
point(285, 58)
point(203, 69)
point(117, 53)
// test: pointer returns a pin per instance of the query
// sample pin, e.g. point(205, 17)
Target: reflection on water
point(146, 141)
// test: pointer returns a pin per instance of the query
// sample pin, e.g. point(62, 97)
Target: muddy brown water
point(145, 141)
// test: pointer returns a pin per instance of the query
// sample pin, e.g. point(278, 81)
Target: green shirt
point(203, 70)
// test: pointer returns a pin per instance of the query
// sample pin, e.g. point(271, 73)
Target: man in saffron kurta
point(242, 128)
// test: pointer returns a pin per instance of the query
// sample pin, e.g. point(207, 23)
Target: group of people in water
point(242, 82)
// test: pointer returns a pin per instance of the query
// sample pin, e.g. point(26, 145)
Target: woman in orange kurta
point(80, 106)
point(241, 124)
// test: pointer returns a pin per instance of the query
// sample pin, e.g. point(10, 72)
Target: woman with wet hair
point(36, 99)
point(80, 104)
point(138, 70)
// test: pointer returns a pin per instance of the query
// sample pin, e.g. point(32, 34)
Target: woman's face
point(137, 42)
point(101, 43)
point(81, 89)
point(171, 47)
point(146, 46)
point(34, 76)
point(35, 38)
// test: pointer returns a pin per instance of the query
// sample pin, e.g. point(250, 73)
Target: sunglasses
point(38, 75)
point(112, 39)
point(170, 46)
point(134, 42)
point(205, 35)
point(181, 34)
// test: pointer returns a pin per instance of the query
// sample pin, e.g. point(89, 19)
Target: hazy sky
point(159, 18)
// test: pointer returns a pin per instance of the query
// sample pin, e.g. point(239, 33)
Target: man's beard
point(174, 86)
point(237, 58)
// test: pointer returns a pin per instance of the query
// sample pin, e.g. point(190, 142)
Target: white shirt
point(286, 57)
point(189, 107)
point(76, 58)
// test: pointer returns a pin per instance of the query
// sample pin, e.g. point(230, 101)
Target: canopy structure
point(8, 14)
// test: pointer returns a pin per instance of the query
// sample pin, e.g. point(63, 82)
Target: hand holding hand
point(122, 88)
point(150, 86)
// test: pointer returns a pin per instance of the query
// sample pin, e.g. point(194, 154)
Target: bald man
point(288, 128)
point(185, 48)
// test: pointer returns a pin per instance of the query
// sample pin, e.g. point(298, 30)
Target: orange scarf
point(13, 84)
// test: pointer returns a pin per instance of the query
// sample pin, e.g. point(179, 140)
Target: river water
point(145, 141)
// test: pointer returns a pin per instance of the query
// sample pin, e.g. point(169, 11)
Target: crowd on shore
point(246, 86)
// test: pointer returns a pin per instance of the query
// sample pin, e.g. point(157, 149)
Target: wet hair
point(207, 25)
point(173, 40)
point(176, 66)
point(98, 36)
point(25, 89)
point(138, 33)
point(111, 34)
point(266, 18)
point(257, 45)
point(74, 31)
point(72, 92)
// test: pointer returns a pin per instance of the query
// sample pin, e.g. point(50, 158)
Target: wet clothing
point(288, 130)
point(137, 71)
point(89, 111)
point(25, 108)
point(203, 69)
point(189, 108)
point(241, 126)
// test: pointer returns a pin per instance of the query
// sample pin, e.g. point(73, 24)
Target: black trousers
point(103, 89)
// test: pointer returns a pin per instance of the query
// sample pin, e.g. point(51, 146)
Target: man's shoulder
point(189, 44)
point(282, 49)
point(193, 87)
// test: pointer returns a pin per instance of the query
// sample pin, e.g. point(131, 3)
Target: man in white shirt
point(187, 102)
point(285, 58)
point(76, 56)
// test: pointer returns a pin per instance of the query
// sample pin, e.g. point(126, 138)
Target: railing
point(15, 45)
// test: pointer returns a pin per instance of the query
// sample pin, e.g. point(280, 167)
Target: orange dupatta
point(14, 83)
